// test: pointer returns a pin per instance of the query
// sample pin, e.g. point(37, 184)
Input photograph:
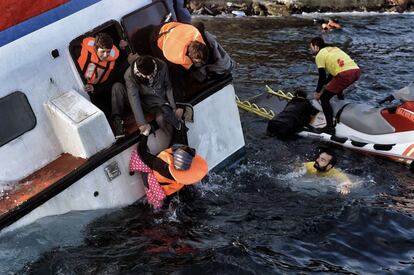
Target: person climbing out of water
point(172, 169)
point(342, 71)
point(323, 166)
point(149, 90)
point(331, 24)
point(97, 62)
point(293, 118)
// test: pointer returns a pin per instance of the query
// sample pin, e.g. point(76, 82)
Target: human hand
point(89, 88)
point(317, 96)
point(132, 57)
point(145, 129)
point(123, 44)
point(179, 113)
point(345, 188)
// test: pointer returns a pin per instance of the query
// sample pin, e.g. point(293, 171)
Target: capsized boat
point(383, 131)
point(58, 152)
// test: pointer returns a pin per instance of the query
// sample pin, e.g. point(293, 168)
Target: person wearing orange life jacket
point(182, 44)
point(97, 62)
point(193, 55)
point(174, 167)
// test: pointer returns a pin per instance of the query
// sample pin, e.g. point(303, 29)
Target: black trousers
point(327, 108)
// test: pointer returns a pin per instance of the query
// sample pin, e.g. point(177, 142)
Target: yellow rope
point(253, 108)
point(279, 93)
point(262, 112)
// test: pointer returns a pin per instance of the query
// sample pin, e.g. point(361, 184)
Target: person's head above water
point(325, 161)
point(187, 166)
point(183, 156)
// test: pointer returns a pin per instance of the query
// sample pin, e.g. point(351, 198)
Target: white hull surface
point(68, 126)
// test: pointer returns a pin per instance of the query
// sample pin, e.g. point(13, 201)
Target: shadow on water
point(263, 217)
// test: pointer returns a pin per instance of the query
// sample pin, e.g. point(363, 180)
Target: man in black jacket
point(293, 118)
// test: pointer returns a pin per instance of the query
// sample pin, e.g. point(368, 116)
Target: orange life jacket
point(173, 40)
point(170, 186)
point(94, 70)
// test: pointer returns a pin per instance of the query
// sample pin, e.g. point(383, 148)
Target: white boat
point(57, 150)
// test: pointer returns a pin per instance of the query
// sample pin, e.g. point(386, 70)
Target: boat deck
point(41, 179)
point(46, 176)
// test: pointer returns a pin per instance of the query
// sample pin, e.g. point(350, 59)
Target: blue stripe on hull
point(43, 20)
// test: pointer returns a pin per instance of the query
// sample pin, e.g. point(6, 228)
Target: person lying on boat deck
point(332, 24)
point(149, 90)
point(174, 167)
point(104, 81)
point(293, 118)
point(192, 48)
point(324, 166)
point(342, 70)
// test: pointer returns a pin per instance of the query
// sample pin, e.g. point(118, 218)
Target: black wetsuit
point(292, 119)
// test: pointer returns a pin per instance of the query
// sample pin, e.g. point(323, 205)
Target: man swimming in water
point(323, 166)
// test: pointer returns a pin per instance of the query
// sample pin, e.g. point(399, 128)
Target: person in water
point(173, 168)
point(342, 72)
point(103, 76)
point(293, 118)
point(331, 24)
point(323, 166)
point(149, 90)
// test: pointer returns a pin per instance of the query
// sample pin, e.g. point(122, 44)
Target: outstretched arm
point(152, 161)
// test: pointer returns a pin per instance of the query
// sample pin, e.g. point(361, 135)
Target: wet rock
point(398, 5)
point(275, 9)
point(258, 9)
point(286, 7)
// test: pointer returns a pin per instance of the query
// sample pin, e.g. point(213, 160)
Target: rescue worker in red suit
point(104, 78)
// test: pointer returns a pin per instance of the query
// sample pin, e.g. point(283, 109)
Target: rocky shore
point(287, 7)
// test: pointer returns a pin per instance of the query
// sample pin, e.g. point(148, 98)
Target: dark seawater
point(263, 217)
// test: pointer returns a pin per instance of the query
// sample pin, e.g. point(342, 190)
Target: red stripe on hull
point(17, 11)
